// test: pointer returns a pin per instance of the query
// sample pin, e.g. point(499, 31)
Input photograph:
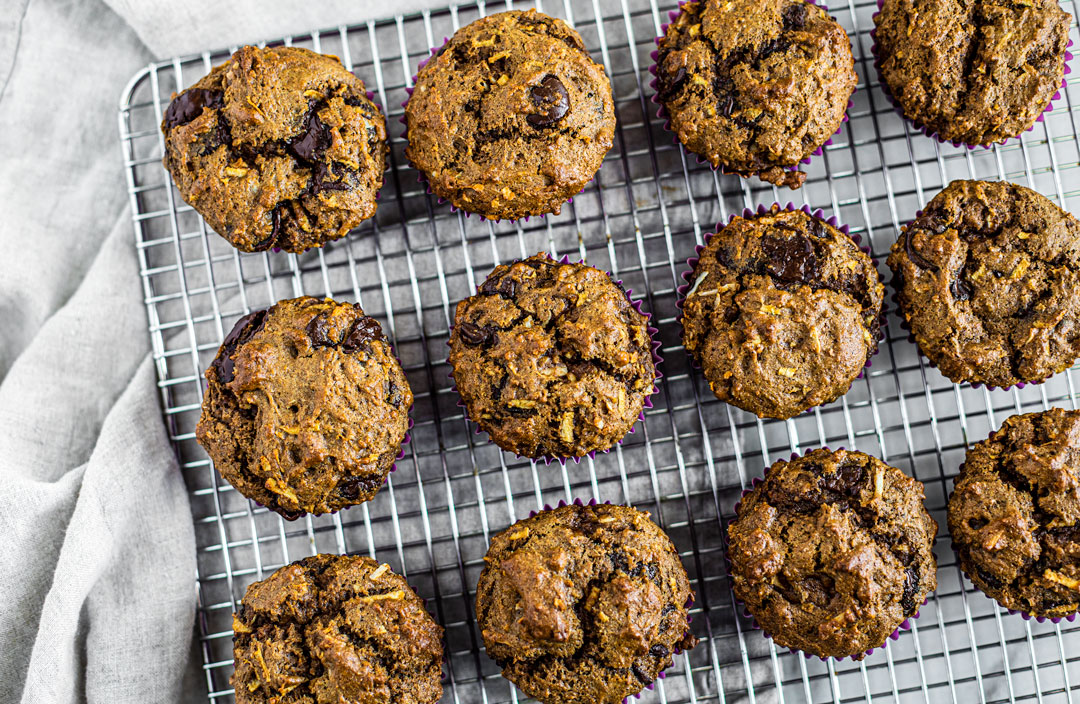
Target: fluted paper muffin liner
point(682, 291)
point(689, 603)
point(662, 112)
point(929, 132)
point(422, 177)
point(657, 360)
point(894, 282)
point(905, 625)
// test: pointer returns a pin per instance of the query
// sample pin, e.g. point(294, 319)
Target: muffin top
point(1014, 514)
point(782, 313)
point(972, 71)
point(583, 604)
point(551, 358)
point(755, 86)
point(832, 551)
point(335, 628)
point(306, 407)
point(511, 117)
point(277, 147)
point(988, 278)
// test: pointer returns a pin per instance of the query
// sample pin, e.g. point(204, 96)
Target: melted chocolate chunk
point(244, 330)
point(318, 332)
point(310, 144)
point(640, 674)
point(773, 46)
point(795, 17)
point(505, 286)
point(659, 651)
point(550, 95)
point(362, 332)
point(188, 105)
point(961, 290)
point(790, 259)
point(474, 335)
point(670, 85)
point(351, 488)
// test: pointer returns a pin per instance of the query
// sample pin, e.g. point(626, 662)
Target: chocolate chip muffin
point(583, 604)
point(277, 147)
point(783, 312)
point(755, 86)
point(511, 117)
point(832, 552)
point(988, 278)
point(335, 628)
point(306, 407)
point(1014, 514)
point(551, 358)
point(972, 71)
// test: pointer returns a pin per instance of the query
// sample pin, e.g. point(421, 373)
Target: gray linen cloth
point(98, 561)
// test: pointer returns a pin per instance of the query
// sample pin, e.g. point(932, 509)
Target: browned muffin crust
point(551, 359)
point(832, 551)
point(972, 71)
point(511, 117)
point(988, 278)
point(583, 604)
point(782, 313)
point(277, 147)
point(755, 86)
point(335, 628)
point(1014, 515)
point(306, 407)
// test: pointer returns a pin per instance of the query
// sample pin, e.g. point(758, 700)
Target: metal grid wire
point(641, 217)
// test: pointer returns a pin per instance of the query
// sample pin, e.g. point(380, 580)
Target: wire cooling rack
point(641, 217)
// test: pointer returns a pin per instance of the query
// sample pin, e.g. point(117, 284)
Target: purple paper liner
point(663, 114)
point(386, 167)
point(691, 263)
point(422, 177)
point(894, 286)
point(905, 625)
point(689, 602)
point(929, 132)
point(657, 360)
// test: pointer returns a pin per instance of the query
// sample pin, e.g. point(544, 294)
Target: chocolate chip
point(670, 85)
point(393, 394)
point(795, 16)
point(978, 523)
point(289, 515)
point(188, 105)
point(727, 105)
point(640, 674)
point(320, 181)
point(790, 259)
point(310, 144)
point(351, 488)
point(362, 332)
point(242, 331)
point(473, 335)
point(659, 651)
point(550, 95)
point(844, 482)
point(916, 258)
point(773, 46)
point(961, 290)
point(318, 332)
point(504, 286)
point(911, 583)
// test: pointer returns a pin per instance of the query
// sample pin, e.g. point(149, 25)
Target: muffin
point(583, 604)
point(511, 117)
point(783, 312)
point(551, 359)
point(306, 407)
point(988, 279)
point(755, 86)
point(277, 147)
point(972, 71)
point(1014, 514)
point(832, 552)
point(335, 628)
